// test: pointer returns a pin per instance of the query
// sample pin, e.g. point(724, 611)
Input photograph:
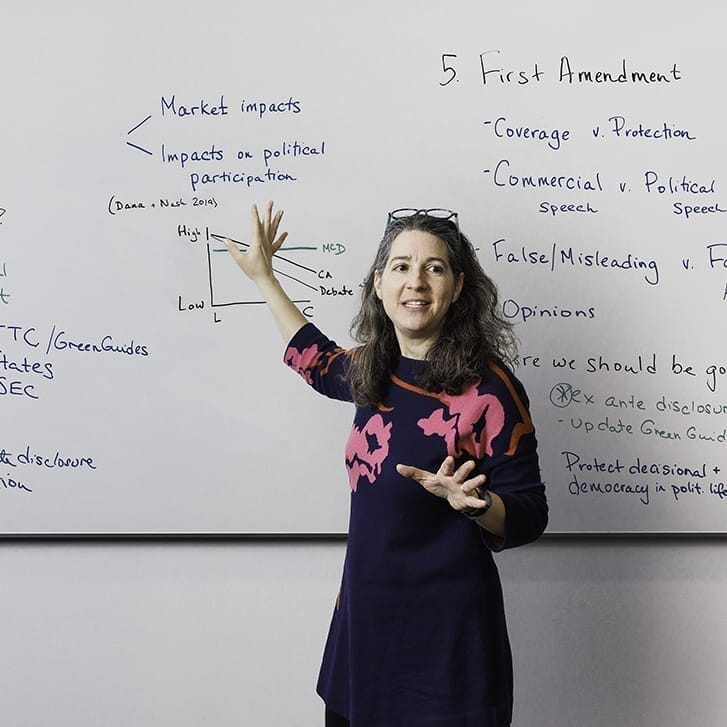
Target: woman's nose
point(416, 279)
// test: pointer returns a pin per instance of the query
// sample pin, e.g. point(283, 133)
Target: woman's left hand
point(453, 485)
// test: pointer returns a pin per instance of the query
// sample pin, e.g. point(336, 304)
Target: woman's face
point(416, 287)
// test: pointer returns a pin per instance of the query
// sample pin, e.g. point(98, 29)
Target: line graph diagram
point(229, 287)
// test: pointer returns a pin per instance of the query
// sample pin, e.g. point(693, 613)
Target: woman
point(443, 469)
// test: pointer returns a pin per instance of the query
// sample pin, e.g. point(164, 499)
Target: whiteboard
point(142, 388)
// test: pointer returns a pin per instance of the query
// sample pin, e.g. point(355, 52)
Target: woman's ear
point(377, 283)
point(458, 285)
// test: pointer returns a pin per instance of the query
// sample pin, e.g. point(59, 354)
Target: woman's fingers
point(275, 224)
point(454, 485)
point(266, 218)
point(447, 467)
point(265, 226)
point(279, 242)
point(413, 473)
point(464, 470)
point(473, 484)
point(270, 222)
point(233, 250)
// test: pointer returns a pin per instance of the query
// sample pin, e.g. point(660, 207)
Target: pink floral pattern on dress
point(303, 361)
point(367, 449)
point(473, 421)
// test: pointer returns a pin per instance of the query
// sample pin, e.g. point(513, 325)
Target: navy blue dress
point(418, 636)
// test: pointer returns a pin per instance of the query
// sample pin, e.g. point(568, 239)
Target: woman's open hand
point(453, 485)
point(257, 261)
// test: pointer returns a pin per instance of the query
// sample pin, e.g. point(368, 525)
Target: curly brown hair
point(474, 332)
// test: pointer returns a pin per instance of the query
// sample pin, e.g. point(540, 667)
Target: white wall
point(230, 633)
point(618, 633)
